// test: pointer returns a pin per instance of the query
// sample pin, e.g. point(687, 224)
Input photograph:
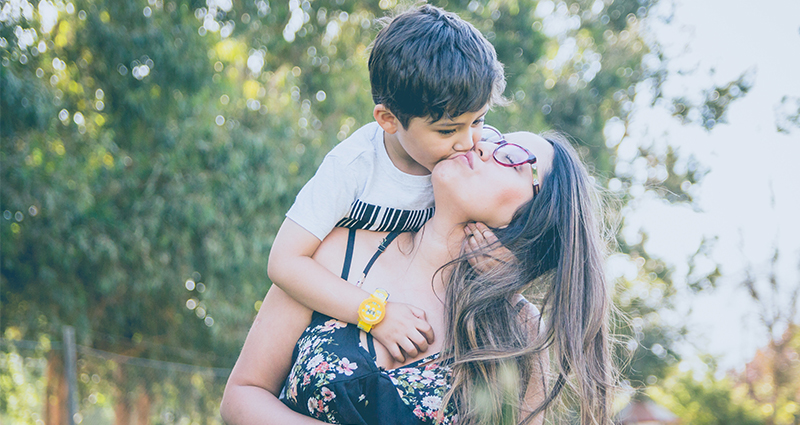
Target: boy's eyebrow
point(448, 122)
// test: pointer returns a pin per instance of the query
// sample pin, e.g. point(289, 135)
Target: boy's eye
point(479, 121)
point(446, 132)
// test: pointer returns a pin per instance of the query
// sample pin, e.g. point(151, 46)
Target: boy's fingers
point(396, 353)
point(420, 342)
point(409, 348)
point(422, 325)
point(427, 331)
point(418, 312)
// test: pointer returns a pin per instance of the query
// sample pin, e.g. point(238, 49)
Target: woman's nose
point(484, 150)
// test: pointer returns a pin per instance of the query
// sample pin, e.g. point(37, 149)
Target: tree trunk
point(55, 405)
point(122, 405)
point(143, 407)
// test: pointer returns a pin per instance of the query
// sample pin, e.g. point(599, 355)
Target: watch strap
point(381, 294)
point(378, 297)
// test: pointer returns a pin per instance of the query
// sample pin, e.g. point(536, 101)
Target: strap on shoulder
point(384, 244)
point(371, 346)
point(348, 255)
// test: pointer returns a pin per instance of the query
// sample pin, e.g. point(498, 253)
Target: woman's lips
point(468, 157)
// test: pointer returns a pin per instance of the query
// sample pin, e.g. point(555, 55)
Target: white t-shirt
point(358, 186)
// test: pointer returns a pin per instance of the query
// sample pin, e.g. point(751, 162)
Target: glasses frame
point(502, 142)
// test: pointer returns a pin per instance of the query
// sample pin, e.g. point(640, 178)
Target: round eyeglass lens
point(511, 154)
point(490, 135)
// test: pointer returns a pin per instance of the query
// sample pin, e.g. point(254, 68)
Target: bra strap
point(371, 346)
point(384, 244)
point(348, 255)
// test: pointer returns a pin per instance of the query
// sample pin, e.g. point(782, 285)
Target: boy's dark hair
point(428, 62)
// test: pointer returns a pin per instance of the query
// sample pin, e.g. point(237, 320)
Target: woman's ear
point(385, 118)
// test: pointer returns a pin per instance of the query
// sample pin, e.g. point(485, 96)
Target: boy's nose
point(468, 141)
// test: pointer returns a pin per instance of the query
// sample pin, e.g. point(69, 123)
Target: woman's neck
point(437, 243)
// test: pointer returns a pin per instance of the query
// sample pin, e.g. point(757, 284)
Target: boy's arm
point(304, 279)
point(404, 329)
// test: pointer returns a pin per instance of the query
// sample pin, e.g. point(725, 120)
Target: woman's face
point(474, 187)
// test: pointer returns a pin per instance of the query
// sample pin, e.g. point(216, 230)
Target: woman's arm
point(251, 394)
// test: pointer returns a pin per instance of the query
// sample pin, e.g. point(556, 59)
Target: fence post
point(71, 372)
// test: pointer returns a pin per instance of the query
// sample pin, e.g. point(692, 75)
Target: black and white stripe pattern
point(382, 219)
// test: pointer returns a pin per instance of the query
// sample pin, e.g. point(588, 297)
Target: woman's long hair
point(497, 346)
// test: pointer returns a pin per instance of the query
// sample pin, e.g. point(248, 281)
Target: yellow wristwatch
point(372, 310)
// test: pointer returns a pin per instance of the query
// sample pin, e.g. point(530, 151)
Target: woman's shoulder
point(523, 305)
point(526, 310)
point(337, 238)
point(331, 250)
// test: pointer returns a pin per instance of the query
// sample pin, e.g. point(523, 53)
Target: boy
point(433, 78)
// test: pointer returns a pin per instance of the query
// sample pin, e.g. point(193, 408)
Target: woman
point(492, 364)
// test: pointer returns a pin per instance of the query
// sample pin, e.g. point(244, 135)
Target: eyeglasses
point(510, 154)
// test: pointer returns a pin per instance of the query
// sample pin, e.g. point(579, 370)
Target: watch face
point(371, 312)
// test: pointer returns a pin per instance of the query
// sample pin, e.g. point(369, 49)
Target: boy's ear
point(386, 119)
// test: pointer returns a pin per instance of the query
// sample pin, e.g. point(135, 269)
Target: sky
point(750, 198)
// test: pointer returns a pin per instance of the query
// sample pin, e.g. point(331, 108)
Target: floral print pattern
point(325, 358)
point(422, 385)
point(315, 363)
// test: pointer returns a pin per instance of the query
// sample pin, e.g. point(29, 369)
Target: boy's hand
point(404, 330)
point(478, 238)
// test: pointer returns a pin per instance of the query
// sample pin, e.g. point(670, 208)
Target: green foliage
point(716, 100)
point(708, 402)
point(21, 380)
point(150, 150)
point(704, 279)
point(644, 351)
point(788, 114)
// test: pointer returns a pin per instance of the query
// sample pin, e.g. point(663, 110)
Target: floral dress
point(335, 379)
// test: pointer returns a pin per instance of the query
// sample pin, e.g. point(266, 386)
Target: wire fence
point(107, 388)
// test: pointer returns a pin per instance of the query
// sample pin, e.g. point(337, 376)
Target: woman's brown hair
point(497, 345)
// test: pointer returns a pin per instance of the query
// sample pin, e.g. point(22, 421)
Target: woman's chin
point(446, 171)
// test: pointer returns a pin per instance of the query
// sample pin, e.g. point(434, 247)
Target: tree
point(708, 402)
point(150, 150)
point(772, 378)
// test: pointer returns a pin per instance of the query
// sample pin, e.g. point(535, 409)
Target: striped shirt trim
point(383, 219)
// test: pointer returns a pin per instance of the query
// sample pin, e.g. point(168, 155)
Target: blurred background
point(150, 149)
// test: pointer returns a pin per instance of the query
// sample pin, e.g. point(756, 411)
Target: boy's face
point(427, 142)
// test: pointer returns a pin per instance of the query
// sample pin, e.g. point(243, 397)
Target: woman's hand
point(479, 238)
